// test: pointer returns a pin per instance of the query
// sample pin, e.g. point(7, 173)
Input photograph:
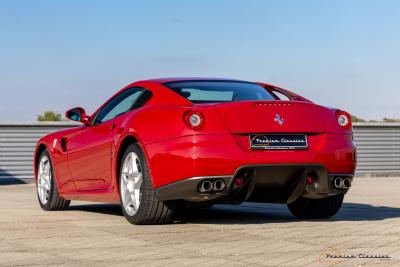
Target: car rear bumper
point(183, 158)
point(276, 183)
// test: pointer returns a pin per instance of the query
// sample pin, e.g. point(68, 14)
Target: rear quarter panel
point(161, 122)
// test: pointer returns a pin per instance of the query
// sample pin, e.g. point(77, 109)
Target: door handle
point(115, 129)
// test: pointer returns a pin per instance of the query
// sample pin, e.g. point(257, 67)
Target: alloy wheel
point(44, 179)
point(131, 183)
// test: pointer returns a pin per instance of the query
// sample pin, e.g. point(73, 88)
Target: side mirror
point(78, 114)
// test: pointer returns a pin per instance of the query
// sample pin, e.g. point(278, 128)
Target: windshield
point(219, 91)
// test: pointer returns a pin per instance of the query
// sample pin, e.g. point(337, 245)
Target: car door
point(90, 149)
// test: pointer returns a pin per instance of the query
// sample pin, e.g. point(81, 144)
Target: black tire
point(316, 208)
point(54, 201)
point(151, 210)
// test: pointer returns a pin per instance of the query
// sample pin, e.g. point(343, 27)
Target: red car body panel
point(220, 154)
point(85, 158)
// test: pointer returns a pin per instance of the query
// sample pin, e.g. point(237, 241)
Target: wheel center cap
point(130, 186)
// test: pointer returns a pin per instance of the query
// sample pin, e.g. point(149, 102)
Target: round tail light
point(343, 119)
point(193, 119)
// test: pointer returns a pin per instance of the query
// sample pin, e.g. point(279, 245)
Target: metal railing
point(378, 147)
point(17, 145)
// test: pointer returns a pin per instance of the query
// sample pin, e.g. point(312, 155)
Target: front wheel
point(139, 201)
point(316, 208)
point(46, 186)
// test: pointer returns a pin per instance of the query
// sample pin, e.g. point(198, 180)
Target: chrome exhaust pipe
point(205, 186)
point(346, 183)
point(338, 182)
point(218, 185)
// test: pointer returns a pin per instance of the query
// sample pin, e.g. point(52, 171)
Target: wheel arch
point(123, 145)
point(39, 150)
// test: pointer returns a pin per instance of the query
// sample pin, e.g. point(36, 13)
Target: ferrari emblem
point(279, 119)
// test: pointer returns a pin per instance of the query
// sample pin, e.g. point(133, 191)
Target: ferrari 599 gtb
point(161, 144)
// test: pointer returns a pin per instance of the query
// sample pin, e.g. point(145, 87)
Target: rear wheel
point(47, 191)
point(139, 200)
point(316, 208)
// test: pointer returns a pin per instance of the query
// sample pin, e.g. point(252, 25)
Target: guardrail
point(378, 147)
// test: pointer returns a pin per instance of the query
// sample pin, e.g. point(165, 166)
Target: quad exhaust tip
point(342, 183)
point(205, 186)
point(346, 183)
point(219, 185)
point(215, 186)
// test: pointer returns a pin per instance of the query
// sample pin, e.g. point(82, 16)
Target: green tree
point(356, 119)
point(49, 116)
point(391, 120)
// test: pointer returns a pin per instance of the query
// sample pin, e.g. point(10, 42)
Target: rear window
point(219, 91)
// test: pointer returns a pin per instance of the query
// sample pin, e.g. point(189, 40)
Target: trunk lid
point(273, 117)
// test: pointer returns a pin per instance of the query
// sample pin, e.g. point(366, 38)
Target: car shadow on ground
point(254, 213)
point(9, 179)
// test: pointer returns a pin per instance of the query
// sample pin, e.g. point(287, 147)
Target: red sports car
point(161, 144)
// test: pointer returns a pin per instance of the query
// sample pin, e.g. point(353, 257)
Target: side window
point(122, 103)
point(281, 96)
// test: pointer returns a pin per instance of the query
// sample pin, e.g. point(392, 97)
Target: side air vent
point(64, 144)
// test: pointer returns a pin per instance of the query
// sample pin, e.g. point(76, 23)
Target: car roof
point(182, 79)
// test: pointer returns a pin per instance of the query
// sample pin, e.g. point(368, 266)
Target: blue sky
point(58, 54)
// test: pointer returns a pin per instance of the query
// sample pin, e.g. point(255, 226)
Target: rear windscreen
point(219, 91)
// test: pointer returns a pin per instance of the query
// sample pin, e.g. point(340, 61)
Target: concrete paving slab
point(97, 234)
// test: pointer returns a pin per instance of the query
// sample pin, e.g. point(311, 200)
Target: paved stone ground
point(251, 234)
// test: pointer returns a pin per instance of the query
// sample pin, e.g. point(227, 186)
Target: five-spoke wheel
point(139, 201)
point(131, 183)
point(47, 190)
point(44, 179)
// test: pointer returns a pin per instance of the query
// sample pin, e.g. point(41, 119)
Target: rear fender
point(129, 136)
point(156, 123)
point(332, 125)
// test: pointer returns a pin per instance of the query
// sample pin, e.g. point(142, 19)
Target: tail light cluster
point(193, 119)
point(343, 118)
